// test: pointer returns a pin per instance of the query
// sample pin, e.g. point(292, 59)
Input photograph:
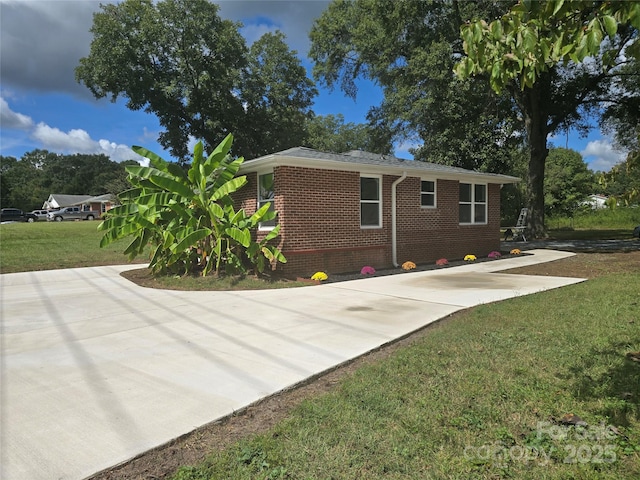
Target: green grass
point(601, 234)
point(471, 397)
point(604, 219)
point(49, 245)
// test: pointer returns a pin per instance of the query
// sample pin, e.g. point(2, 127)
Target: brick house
point(340, 212)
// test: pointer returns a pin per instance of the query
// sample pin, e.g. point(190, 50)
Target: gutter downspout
point(394, 239)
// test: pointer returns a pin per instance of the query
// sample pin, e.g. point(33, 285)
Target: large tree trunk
point(535, 119)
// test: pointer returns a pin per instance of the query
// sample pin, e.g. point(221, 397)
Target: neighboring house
point(596, 201)
point(340, 212)
point(56, 201)
point(101, 203)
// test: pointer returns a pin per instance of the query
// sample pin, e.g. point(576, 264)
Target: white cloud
point(11, 119)
point(79, 141)
point(402, 149)
point(253, 32)
point(293, 18)
point(148, 135)
point(601, 156)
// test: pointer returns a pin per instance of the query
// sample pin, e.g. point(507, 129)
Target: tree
point(622, 182)
point(24, 181)
point(568, 181)
point(27, 183)
point(409, 49)
point(277, 95)
point(329, 133)
point(188, 216)
point(179, 60)
point(536, 52)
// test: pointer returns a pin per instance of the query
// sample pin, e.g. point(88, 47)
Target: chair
point(518, 231)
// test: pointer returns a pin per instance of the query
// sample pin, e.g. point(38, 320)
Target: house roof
point(106, 198)
point(367, 162)
point(57, 200)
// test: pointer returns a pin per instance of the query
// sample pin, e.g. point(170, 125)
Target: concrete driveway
point(96, 370)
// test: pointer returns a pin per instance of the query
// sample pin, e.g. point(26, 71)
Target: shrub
point(319, 276)
point(367, 270)
point(188, 218)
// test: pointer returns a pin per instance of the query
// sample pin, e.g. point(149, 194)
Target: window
point(266, 195)
point(370, 209)
point(427, 194)
point(473, 203)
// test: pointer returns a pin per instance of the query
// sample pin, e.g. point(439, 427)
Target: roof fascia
point(272, 161)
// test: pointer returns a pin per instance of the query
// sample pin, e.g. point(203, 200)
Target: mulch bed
point(341, 277)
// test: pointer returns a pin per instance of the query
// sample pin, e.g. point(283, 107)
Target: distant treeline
point(27, 182)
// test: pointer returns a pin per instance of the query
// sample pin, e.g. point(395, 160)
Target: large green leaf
point(194, 171)
point(173, 186)
point(146, 172)
point(177, 171)
point(217, 156)
point(229, 187)
point(191, 239)
point(273, 253)
point(261, 213)
point(163, 198)
point(216, 210)
point(243, 237)
point(125, 209)
point(272, 234)
point(155, 160)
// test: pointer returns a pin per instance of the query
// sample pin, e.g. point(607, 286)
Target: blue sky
point(42, 106)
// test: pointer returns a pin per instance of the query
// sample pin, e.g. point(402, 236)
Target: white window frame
point(260, 201)
point(434, 193)
point(378, 201)
point(475, 204)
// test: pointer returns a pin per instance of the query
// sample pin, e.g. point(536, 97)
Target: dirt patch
point(192, 448)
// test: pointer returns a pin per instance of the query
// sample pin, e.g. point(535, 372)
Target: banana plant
point(188, 218)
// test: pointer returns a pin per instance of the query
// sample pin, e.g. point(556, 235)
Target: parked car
point(40, 214)
point(16, 215)
point(72, 213)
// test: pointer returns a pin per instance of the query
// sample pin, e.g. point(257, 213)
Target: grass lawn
point(591, 234)
point(50, 245)
point(479, 396)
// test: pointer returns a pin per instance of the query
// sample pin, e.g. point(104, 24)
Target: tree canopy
point(329, 133)
point(535, 36)
point(568, 182)
point(560, 61)
point(409, 49)
point(180, 61)
point(27, 182)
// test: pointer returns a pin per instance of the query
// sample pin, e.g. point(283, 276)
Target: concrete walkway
point(96, 370)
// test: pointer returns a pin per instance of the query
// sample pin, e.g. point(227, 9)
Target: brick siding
point(319, 217)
